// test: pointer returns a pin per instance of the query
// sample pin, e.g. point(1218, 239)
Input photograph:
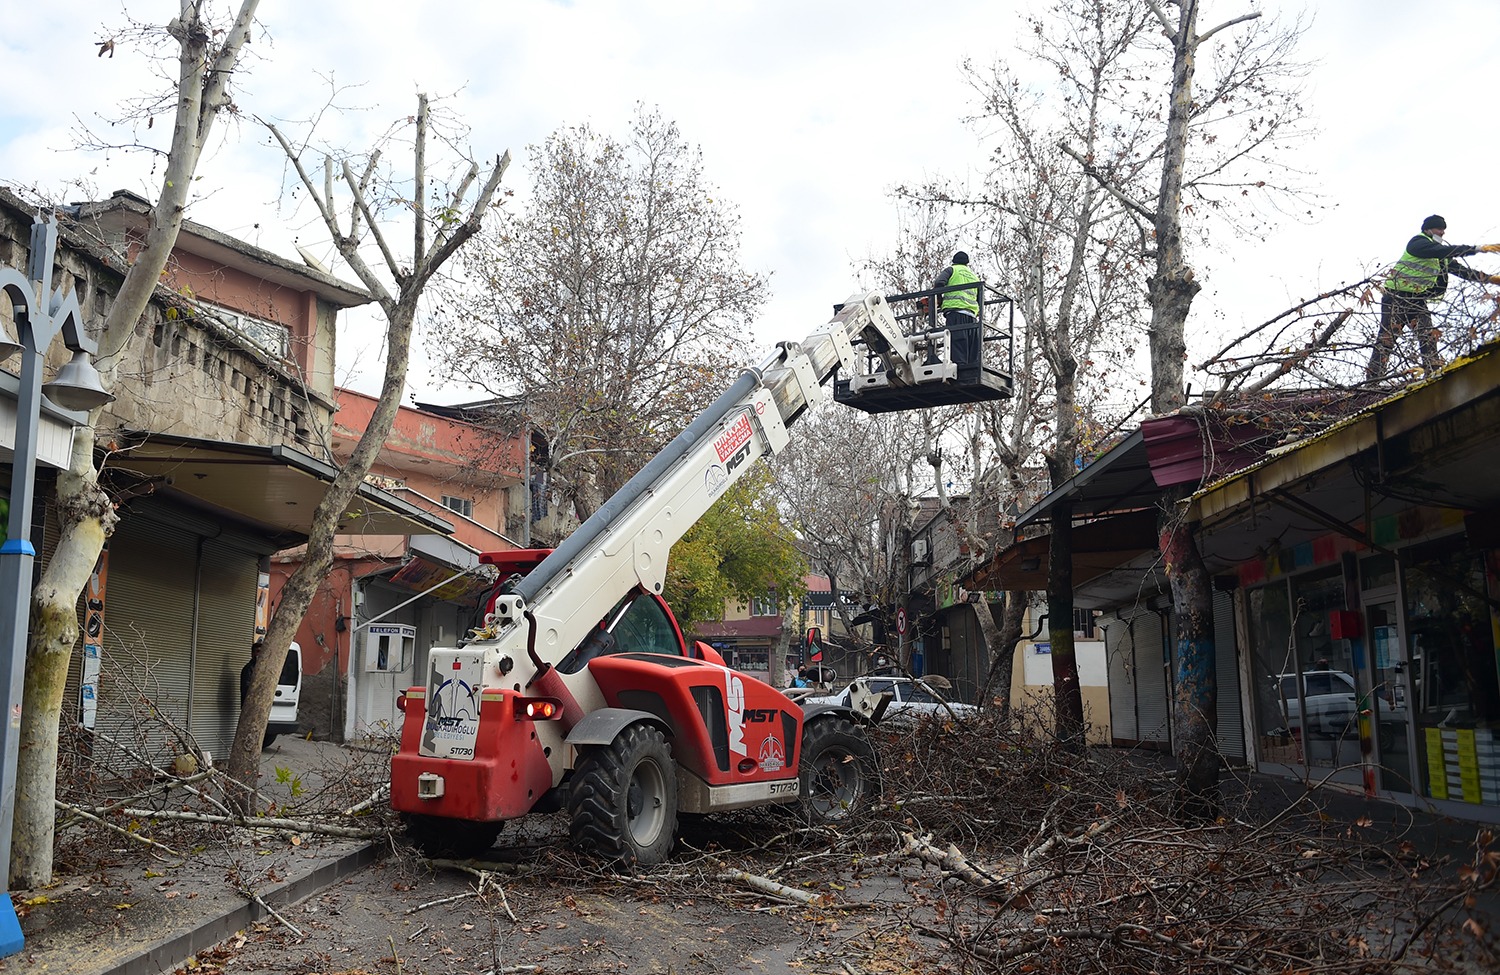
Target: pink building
point(391, 597)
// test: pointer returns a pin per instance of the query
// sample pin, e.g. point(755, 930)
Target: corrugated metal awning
point(1119, 479)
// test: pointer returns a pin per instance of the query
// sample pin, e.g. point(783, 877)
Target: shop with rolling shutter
point(179, 621)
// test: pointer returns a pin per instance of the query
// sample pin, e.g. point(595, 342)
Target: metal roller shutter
point(226, 628)
point(148, 633)
point(1151, 696)
point(1231, 733)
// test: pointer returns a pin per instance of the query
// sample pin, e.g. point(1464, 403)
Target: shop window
point(1305, 701)
point(1269, 616)
point(1377, 572)
point(1455, 685)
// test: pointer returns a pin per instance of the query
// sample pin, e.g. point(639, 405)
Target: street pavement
point(123, 916)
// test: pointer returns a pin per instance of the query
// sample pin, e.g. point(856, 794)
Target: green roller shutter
point(148, 633)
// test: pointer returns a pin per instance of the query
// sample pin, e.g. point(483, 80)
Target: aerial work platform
point(939, 367)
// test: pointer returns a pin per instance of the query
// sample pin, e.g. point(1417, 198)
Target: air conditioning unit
point(919, 552)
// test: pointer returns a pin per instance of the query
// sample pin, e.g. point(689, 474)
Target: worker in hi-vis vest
point(1420, 276)
point(960, 310)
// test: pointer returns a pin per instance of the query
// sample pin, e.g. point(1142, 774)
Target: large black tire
point(436, 836)
point(622, 802)
point(839, 774)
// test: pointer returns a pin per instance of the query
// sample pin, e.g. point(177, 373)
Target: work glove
point(1493, 279)
point(1489, 248)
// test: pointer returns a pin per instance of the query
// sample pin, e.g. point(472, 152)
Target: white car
point(1332, 709)
point(1333, 706)
point(910, 701)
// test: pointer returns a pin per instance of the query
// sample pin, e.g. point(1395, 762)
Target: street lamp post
point(40, 314)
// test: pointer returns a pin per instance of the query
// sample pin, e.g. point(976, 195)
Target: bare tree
point(1217, 145)
point(1061, 246)
point(442, 218)
point(610, 306)
point(207, 57)
point(848, 484)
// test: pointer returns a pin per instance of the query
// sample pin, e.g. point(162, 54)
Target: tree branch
point(1108, 186)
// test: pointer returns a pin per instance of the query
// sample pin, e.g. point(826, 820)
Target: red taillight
point(401, 702)
point(537, 709)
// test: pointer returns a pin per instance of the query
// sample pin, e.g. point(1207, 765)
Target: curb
point(168, 953)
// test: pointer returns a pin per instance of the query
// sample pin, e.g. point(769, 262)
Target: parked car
point(1332, 703)
point(911, 701)
point(283, 718)
point(1333, 706)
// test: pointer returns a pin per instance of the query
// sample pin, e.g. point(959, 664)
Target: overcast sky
point(807, 112)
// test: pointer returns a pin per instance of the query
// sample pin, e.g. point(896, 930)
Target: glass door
point(1390, 694)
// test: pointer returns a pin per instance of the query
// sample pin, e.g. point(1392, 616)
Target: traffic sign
point(901, 621)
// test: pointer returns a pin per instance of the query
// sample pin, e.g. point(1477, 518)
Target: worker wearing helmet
point(960, 310)
point(1420, 276)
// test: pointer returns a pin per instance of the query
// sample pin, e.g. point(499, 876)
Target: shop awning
point(1120, 478)
point(1098, 547)
point(1430, 446)
point(448, 570)
point(274, 487)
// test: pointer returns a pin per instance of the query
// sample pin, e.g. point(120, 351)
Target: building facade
point(390, 598)
point(212, 451)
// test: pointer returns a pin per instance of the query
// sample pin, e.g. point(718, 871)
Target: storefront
point(1367, 586)
point(1378, 668)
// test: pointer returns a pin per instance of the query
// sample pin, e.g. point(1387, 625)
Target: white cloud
point(807, 112)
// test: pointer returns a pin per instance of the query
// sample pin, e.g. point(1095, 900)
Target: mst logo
point(735, 436)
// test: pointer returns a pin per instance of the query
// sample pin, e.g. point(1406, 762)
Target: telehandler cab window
point(645, 628)
point(637, 624)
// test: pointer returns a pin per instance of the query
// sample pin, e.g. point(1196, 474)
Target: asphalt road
point(400, 915)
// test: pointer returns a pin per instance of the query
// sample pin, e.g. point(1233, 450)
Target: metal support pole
point(35, 330)
point(39, 315)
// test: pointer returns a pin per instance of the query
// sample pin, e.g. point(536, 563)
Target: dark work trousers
point(1397, 311)
point(963, 336)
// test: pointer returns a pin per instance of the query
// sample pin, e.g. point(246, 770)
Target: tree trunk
point(1172, 288)
point(1195, 692)
point(776, 660)
point(1067, 693)
point(87, 517)
point(1171, 291)
point(206, 62)
point(1000, 642)
point(297, 595)
point(400, 311)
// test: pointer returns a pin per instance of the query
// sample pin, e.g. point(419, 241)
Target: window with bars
point(767, 605)
point(1083, 624)
point(268, 336)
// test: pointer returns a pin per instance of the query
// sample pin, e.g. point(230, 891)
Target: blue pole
point(18, 557)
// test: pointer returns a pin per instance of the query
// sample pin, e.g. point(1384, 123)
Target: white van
point(283, 719)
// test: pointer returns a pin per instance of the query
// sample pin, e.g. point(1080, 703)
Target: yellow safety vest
point(966, 300)
point(1415, 275)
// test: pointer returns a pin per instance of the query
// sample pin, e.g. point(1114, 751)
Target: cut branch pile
point(1053, 861)
point(143, 785)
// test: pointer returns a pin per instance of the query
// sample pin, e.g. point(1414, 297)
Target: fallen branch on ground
point(251, 822)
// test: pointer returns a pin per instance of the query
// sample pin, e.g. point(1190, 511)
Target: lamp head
point(10, 346)
point(77, 385)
